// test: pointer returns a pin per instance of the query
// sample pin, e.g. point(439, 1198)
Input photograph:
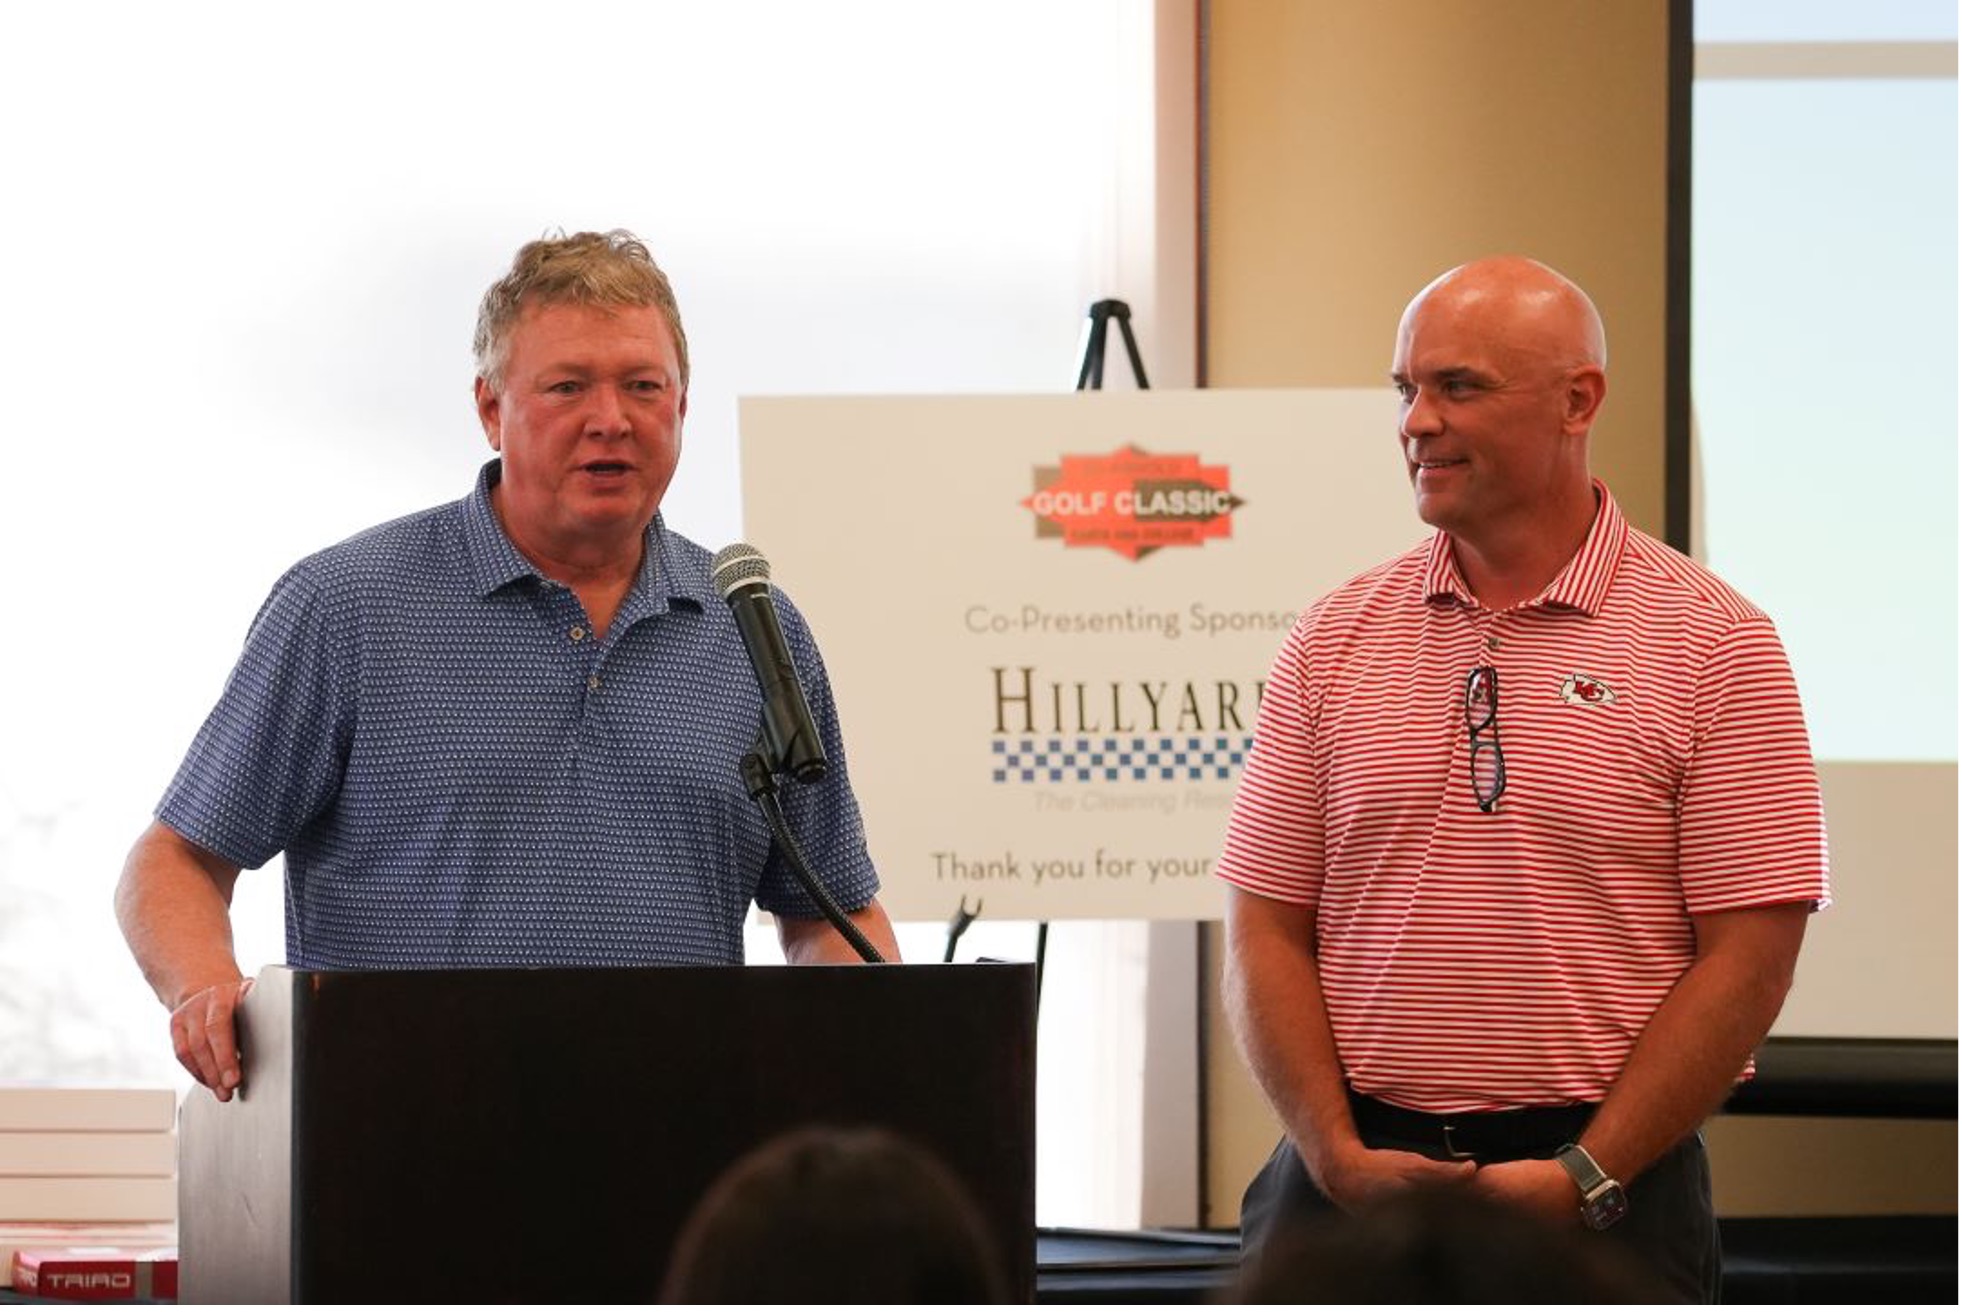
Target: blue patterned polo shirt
point(461, 774)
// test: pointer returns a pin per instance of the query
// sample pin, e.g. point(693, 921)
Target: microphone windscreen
point(738, 564)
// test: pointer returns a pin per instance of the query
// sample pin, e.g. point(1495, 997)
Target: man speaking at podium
point(504, 731)
point(1526, 846)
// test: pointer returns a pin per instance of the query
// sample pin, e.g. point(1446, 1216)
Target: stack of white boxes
point(93, 1167)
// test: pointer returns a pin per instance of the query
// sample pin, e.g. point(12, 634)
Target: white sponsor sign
point(1048, 620)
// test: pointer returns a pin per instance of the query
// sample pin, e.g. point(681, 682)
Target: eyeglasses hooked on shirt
point(1488, 762)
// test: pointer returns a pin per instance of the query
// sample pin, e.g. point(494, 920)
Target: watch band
point(1586, 1172)
point(1603, 1200)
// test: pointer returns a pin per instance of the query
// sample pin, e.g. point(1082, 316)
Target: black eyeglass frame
point(1482, 729)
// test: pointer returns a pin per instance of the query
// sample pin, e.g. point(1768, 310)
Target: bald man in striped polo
point(1524, 853)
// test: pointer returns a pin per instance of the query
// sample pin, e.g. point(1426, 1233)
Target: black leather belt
point(1478, 1136)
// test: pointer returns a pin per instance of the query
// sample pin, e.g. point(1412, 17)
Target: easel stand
point(1090, 376)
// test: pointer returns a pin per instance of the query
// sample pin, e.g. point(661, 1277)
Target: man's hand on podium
point(206, 1039)
point(174, 903)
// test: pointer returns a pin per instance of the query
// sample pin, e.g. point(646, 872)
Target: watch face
point(1603, 1209)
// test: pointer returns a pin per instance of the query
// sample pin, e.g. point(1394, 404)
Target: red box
point(96, 1275)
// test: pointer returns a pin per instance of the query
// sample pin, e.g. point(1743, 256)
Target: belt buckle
point(1456, 1154)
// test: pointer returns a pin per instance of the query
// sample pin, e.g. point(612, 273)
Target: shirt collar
point(494, 562)
point(1581, 584)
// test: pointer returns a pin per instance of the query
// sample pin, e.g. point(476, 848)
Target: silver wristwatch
point(1603, 1200)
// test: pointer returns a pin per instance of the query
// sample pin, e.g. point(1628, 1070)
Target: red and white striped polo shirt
point(1656, 765)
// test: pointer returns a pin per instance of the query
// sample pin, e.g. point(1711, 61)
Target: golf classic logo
point(1132, 502)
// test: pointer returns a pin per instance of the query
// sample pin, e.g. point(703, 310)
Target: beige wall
point(1356, 148)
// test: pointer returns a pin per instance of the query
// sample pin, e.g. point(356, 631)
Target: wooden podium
point(498, 1136)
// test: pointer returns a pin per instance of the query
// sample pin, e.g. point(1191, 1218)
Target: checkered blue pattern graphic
point(1118, 760)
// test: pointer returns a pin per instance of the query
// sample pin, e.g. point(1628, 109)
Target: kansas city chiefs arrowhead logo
point(1133, 502)
point(1582, 691)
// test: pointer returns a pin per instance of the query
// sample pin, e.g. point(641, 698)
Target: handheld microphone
point(742, 576)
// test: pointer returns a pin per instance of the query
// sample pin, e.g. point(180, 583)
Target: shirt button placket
point(577, 634)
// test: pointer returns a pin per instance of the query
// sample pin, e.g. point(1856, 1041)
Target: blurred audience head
point(836, 1216)
point(1441, 1246)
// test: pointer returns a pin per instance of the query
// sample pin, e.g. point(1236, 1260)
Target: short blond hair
point(611, 269)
